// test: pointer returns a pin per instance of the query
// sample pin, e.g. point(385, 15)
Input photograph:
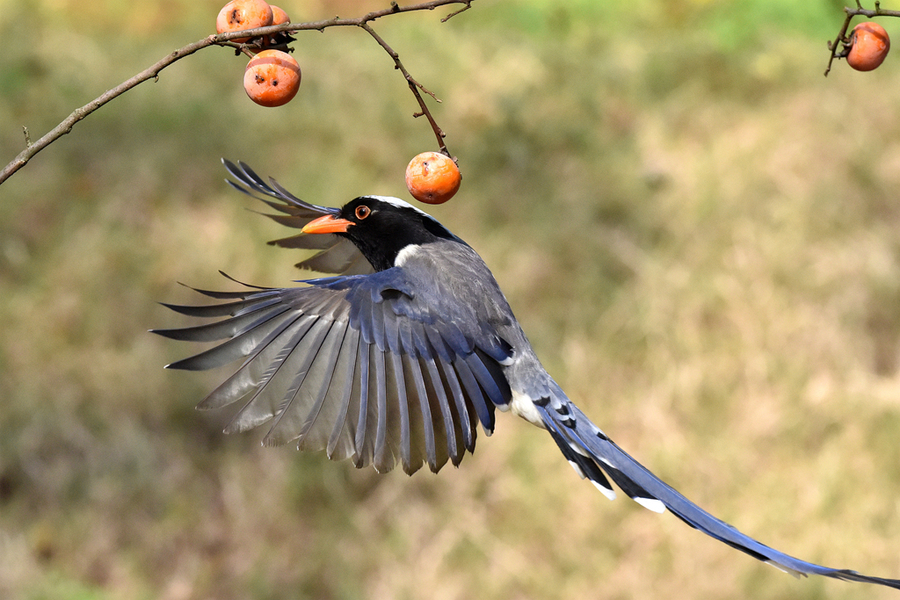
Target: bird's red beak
point(327, 224)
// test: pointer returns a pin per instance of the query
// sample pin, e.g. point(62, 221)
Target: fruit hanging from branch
point(869, 45)
point(240, 15)
point(432, 177)
point(272, 78)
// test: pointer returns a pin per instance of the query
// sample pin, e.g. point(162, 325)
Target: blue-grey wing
point(336, 254)
point(345, 365)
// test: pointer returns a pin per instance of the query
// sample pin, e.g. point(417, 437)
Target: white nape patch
point(399, 203)
point(405, 254)
point(577, 468)
point(522, 405)
point(651, 504)
point(611, 494)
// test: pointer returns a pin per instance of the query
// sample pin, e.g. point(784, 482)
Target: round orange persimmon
point(238, 15)
point(432, 178)
point(272, 78)
point(279, 17)
point(869, 44)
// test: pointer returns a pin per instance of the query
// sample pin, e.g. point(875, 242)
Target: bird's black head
point(381, 227)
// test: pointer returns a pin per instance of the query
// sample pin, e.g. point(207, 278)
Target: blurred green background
point(699, 232)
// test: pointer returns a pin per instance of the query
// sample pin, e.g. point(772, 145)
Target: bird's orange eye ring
point(362, 212)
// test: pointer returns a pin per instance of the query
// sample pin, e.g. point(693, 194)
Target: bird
point(401, 353)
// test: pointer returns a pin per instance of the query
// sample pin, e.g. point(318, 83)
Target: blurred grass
point(699, 232)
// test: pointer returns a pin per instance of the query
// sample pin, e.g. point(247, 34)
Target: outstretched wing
point(592, 454)
point(350, 365)
point(336, 254)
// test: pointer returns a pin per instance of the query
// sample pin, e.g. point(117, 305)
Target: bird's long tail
point(596, 457)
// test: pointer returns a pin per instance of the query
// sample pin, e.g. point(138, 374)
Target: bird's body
point(398, 357)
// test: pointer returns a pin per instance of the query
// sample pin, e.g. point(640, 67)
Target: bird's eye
point(362, 212)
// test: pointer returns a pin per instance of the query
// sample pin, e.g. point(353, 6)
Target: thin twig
point(456, 12)
point(414, 86)
point(227, 39)
point(838, 46)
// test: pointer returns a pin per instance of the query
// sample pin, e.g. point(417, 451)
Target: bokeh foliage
point(699, 232)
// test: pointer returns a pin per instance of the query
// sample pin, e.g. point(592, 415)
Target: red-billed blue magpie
point(399, 356)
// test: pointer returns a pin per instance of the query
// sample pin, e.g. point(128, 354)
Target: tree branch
point(414, 86)
point(226, 39)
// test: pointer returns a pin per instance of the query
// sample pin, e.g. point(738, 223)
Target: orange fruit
point(432, 178)
point(869, 44)
point(272, 78)
point(239, 15)
point(279, 17)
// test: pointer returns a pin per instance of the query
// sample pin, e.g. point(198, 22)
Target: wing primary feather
point(294, 412)
point(290, 212)
point(243, 381)
point(207, 311)
point(415, 372)
point(459, 400)
point(488, 382)
point(440, 396)
point(293, 216)
point(335, 259)
point(306, 241)
point(241, 345)
point(383, 460)
point(257, 305)
point(249, 285)
point(237, 173)
point(247, 176)
point(286, 195)
point(220, 330)
point(242, 189)
point(406, 458)
point(359, 266)
point(326, 363)
point(262, 405)
point(251, 415)
point(342, 386)
point(252, 294)
point(230, 167)
point(254, 180)
point(363, 439)
point(475, 395)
